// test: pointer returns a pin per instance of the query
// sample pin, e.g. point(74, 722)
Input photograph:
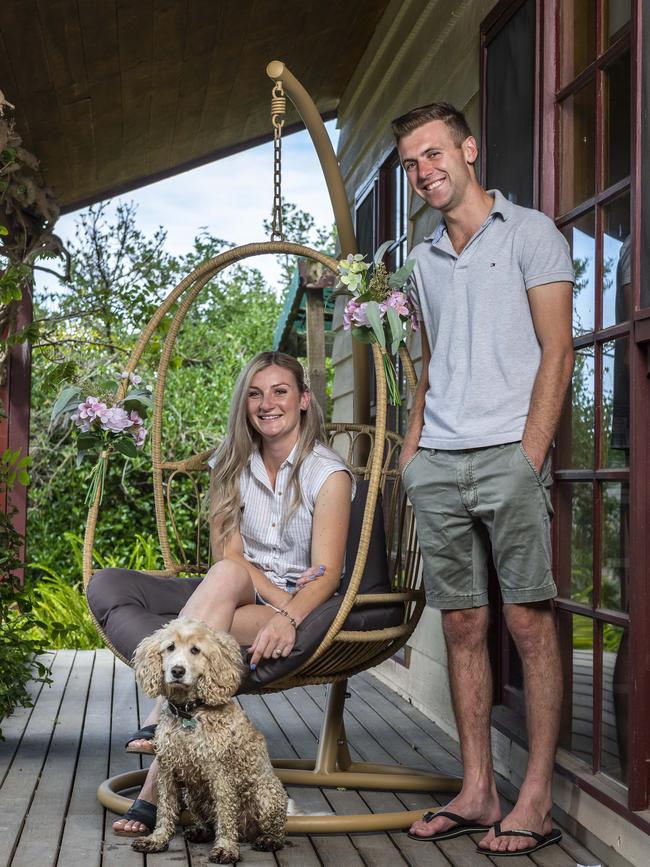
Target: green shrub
point(20, 647)
point(59, 604)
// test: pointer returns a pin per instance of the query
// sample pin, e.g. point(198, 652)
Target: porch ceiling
point(112, 94)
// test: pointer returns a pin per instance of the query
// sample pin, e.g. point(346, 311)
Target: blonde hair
point(241, 440)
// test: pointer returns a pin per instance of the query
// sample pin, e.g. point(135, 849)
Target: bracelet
point(285, 613)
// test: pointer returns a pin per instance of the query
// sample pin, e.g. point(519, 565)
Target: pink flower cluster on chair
point(94, 414)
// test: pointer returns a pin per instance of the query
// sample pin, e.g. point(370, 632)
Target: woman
point(279, 510)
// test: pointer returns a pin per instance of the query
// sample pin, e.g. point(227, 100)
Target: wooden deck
point(57, 752)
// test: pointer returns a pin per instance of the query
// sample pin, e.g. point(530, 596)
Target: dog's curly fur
point(223, 762)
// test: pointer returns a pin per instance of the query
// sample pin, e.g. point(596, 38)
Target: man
point(493, 290)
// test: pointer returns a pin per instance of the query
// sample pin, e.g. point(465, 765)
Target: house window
point(381, 214)
point(593, 113)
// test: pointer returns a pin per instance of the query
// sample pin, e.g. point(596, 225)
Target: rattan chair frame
point(372, 453)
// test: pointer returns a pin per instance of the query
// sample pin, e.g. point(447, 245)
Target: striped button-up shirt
point(277, 547)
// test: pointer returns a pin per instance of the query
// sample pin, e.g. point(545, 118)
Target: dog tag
point(189, 723)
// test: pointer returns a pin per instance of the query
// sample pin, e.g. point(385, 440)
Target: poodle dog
point(206, 745)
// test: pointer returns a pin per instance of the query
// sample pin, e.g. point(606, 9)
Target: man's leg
point(533, 629)
point(470, 679)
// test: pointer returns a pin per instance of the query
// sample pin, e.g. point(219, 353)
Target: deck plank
point(22, 778)
point(124, 720)
point(59, 751)
point(14, 725)
point(55, 785)
point(81, 844)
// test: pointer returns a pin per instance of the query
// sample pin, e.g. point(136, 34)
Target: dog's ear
point(224, 669)
point(148, 665)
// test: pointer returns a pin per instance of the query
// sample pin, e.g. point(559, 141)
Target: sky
point(231, 197)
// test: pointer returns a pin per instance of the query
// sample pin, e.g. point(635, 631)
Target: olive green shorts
point(470, 500)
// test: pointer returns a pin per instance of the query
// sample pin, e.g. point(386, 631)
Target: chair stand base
point(409, 781)
point(332, 768)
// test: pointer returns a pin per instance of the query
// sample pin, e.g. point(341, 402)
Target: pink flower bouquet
point(104, 425)
point(379, 310)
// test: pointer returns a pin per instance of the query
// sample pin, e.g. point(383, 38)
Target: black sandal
point(541, 840)
point(139, 811)
point(146, 733)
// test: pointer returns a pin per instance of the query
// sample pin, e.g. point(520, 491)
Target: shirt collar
point(501, 206)
point(257, 467)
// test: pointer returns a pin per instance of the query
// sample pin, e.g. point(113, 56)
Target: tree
point(118, 278)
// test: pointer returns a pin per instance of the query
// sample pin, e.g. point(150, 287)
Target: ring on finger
point(277, 652)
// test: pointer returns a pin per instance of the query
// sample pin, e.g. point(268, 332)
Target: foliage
point(20, 652)
point(119, 277)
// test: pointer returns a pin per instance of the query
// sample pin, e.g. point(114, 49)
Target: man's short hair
point(443, 111)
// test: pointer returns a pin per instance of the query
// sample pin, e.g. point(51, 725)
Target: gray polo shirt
point(474, 307)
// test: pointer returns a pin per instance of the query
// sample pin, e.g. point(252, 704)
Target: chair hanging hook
point(278, 109)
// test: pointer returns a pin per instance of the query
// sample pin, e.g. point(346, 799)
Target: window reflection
point(582, 411)
point(614, 723)
point(578, 28)
point(578, 150)
point(615, 539)
point(617, 120)
point(615, 440)
point(576, 561)
point(576, 642)
point(581, 236)
point(617, 261)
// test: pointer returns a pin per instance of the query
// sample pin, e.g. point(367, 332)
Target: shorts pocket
point(544, 485)
point(408, 466)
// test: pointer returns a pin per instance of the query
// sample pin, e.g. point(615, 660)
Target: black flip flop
point(542, 840)
point(139, 811)
point(462, 826)
point(146, 733)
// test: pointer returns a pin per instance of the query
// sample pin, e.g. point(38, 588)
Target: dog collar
point(184, 711)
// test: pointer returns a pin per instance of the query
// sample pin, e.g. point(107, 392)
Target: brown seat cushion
point(314, 627)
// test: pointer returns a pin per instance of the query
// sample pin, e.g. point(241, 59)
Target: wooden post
point(316, 345)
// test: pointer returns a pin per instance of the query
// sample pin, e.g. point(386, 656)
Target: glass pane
point(581, 236)
point(578, 37)
point(616, 676)
point(618, 86)
point(575, 502)
point(365, 225)
point(616, 15)
point(582, 411)
point(510, 68)
point(576, 644)
point(615, 543)
point(577, 147)
point(617, 261)
point(615, 437)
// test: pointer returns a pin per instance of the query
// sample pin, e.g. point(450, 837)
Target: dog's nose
point(178, 672)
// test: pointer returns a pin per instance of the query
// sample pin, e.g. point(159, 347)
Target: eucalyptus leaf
point(381, 252)
point(126, 447)
point(65, 402)
point(374, 318)
point(396, 329)
point(89, 440)
point(138, 398)
point(399, 278)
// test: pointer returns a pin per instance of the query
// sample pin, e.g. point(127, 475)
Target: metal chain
point(278, 109)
